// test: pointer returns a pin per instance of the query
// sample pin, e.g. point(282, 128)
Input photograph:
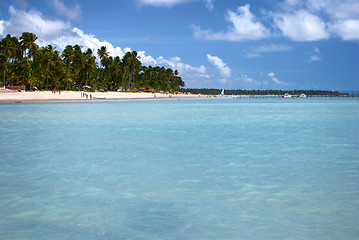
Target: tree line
point(24, 63)
point(213, 91)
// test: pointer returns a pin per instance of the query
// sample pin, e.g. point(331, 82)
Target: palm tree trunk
point(42, 84)
point(67, 79)
point(47, 78)
point(123, 84)
point(4, 77)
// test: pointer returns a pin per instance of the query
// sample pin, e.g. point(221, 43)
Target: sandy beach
point(10, 95)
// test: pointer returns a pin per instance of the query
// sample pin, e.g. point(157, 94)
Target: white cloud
point(299, 20)
point(347, 29)
point(33, 21)
point(275, 79)
point(160, 3)
point(2, 26)
point(244, 27)
point(218, 63)
point(315, 56)
point(341, 9)
point(257, 51)
point(344, 17)
point(71, 13)
point(301, 25)
point(177, 63)
point(341, 18)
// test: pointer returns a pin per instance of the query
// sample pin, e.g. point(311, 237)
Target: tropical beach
point(179, 120)
point(11, 95)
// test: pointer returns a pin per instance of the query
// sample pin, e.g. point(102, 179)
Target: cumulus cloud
point(267, 48)
point(301, 26)
point(343, 18)
point(177, 63)
point(347, 29)
point(244, 26)
point(220, 65)
point(298, 20)
point(33, 21)
point(318, 19)
point(73, 13)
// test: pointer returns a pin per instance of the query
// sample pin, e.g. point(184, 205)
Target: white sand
point(8, 95)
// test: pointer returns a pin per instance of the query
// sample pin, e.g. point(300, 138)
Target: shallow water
point(180, 169)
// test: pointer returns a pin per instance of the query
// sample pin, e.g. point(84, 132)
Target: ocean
point(210, 168)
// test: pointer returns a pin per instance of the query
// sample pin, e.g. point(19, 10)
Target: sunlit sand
point(8, 95)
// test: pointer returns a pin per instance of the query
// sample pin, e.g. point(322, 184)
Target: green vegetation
point(24, 63)
point(262, 92)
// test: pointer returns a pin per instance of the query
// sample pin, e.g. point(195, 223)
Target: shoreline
point(36, 96)
point(15, 96)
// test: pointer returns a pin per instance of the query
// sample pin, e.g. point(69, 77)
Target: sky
point(230, 44)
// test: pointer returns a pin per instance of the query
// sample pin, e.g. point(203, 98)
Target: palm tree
point(68, 57)
point(28, 45)
point(89, 66)
point(10, 50)
point(50, 61)
point(3, 66)
point(77, 61)
point(103, 55)
point(23, 71)
point(133, 67)
point(176, 82)
point(115, 72)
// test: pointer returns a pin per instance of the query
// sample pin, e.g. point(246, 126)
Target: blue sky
point(231, 44)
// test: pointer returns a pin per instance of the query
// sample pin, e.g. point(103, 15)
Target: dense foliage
point(23, 62)
point(262, 92)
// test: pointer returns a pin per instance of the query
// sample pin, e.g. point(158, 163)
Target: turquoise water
point(180, 169)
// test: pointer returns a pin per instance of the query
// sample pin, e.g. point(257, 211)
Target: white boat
point(287, 95)
point(302, 95)
point(99, 98)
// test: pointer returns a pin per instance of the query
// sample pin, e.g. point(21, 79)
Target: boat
point(287, 95)
point(302, 95)
point(99, 98)
point(222, 93)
